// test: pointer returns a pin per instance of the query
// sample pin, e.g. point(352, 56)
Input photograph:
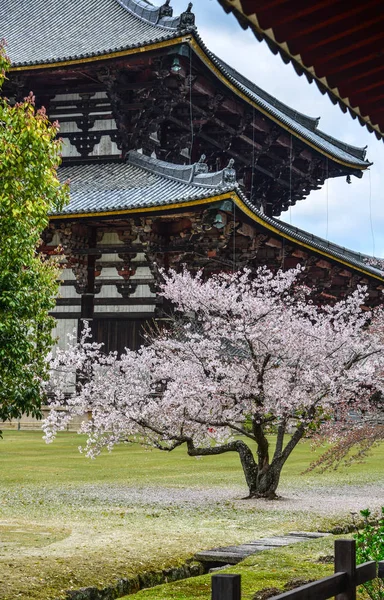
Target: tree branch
point(246, 457)
point(295, 439)
point(236, 428)
point(262, 446)
point(280, 439)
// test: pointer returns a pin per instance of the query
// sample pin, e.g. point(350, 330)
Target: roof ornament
point(166, 10)
point(201, 166)
point(187, 18)
point(229, 173)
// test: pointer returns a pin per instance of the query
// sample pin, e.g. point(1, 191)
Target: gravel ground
point(323, 500)
point(332, 500)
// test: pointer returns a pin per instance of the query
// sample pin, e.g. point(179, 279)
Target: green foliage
point(29, 189)
point(370, 546)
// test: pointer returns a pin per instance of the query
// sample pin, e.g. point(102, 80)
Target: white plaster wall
point(105, 146)
point(62, 329)
point(68, 150)
point(110, 238)
point(66, 309)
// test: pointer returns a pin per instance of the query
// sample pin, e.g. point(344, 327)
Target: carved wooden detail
point(73, 239)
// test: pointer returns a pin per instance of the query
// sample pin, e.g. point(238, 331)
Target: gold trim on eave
point(238, 92)
point(129, 211)
point(201, 53)
point(240, 204)
point(116, 54)
point(274, 230)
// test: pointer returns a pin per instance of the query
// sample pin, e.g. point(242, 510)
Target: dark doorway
point(117, 334)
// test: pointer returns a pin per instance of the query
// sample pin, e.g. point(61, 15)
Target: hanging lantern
point(219, 222)
point(176, 65)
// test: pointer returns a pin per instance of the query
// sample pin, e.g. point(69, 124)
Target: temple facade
point(173, 157)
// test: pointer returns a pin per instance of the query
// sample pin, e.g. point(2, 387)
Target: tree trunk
point(262, 483)
point(266, 482)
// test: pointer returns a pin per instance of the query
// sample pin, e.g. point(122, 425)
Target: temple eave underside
point(143, 101)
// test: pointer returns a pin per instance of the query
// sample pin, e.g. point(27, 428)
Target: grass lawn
point(292, 566)
point(68, 522)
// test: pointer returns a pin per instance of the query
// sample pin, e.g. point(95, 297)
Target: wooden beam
point(109, 302)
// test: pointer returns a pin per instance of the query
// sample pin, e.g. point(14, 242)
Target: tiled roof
point(355, 259)
point(75, 29)
point(141, 182)
point(41, 31)
point(304, 125)
point(144, 182)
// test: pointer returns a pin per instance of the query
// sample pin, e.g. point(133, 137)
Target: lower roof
point(145, 184)
point(140, 182)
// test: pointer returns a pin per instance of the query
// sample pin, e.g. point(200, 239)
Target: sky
point(349, 215)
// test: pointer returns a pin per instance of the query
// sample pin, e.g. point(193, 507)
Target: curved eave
point(241, 202)
point(296, 60)
point(209, 62)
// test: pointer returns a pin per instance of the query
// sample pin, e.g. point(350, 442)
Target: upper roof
point(70, 29)
point(302, 124)
point(336, 44)
point(74, 30)
point(147, 184)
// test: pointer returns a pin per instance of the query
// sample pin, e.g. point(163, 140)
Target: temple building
point(174, 158)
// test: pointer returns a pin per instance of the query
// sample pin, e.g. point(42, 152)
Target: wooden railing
point(342, 584)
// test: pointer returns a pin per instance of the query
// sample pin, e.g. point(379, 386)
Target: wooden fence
point(342, 584)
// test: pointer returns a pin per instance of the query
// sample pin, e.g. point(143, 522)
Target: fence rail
point(342, 584)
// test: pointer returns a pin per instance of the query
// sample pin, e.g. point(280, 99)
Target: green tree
point(29, 190)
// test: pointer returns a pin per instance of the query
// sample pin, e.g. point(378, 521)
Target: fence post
point(380, 572)
point(226, 587)
point(345, 561)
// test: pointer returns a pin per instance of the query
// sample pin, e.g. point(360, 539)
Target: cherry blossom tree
point(248, 355)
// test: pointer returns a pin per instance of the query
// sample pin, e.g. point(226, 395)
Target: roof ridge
point(194, 174)
point(161, 16)
point(107, 188)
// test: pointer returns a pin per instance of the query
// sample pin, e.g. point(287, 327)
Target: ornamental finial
point(187, 18)
point(166, 10)
point(201, 166)
point(229, 173)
